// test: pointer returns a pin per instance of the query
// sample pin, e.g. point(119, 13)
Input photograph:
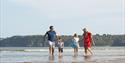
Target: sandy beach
point(37, 55)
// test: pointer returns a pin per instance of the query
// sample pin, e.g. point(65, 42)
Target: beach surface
point(41, 55)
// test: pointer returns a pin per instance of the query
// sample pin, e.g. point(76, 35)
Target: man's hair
point(51, 27)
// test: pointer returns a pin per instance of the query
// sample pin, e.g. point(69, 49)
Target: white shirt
point(60, 44)
point(76, 39)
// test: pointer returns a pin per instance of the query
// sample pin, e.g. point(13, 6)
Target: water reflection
point(75, 58)
point(60, 59)
point(51, 59)
point(87, 59)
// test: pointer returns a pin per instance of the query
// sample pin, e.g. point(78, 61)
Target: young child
point(60, 45)
point(75, 43)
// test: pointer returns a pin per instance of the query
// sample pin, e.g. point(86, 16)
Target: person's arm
point(63, 44)
point(83, 37)
point(78, 39)
point(44, 37)
point(56, 36)
point(93, 43)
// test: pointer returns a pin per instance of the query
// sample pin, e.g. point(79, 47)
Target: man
point(87, 40)
point(51, 39)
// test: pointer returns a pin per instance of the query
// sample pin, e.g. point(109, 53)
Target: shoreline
point(46, 48)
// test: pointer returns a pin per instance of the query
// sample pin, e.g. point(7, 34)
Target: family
point(52, 38)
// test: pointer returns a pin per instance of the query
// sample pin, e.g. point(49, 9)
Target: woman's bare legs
point(90, 51)
point(87, 51)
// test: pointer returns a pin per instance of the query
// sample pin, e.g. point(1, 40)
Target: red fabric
point(87, 40)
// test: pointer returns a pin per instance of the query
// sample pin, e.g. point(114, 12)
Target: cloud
point(77, 7)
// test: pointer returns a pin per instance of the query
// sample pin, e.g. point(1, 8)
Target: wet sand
point(85, 60)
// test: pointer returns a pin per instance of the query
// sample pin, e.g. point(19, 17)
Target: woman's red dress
point(87, 39)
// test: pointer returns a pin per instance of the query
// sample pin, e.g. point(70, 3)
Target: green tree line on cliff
point(38, 41)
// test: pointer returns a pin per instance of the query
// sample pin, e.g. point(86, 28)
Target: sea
point(41, 55)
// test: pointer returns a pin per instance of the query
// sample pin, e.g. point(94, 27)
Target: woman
point(87, 40)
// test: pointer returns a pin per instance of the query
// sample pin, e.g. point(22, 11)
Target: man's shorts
point(52, 44)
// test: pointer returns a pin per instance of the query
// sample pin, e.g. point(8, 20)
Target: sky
point(33, 17)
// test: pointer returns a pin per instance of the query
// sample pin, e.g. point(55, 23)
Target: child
point(60, 45)
point(75, 43)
